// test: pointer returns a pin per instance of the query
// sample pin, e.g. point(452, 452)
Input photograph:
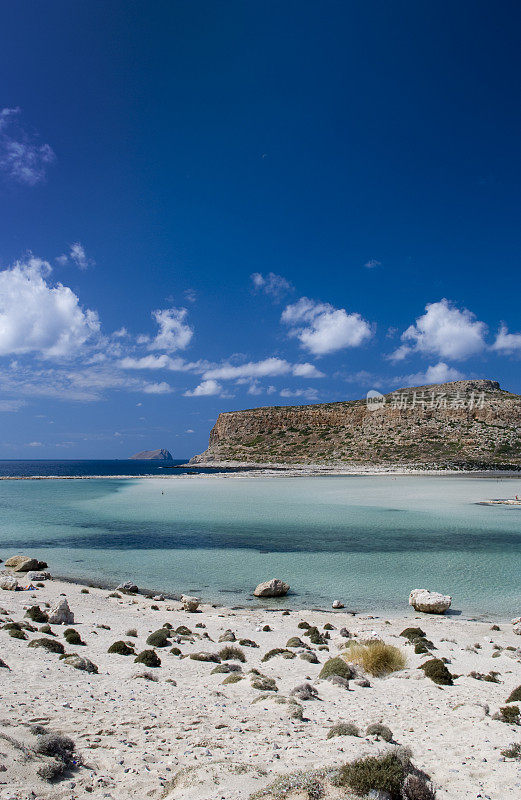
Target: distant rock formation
point(464, 424)
point(152, 455)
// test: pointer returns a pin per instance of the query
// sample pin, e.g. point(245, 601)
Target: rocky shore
point(134, 697)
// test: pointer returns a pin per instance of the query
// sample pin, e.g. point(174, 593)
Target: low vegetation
point(49, 644)
point(149, 658)
point(336, 666)
point(159, 638)
point(121, 648)
point(515, 695)
point(231, 653)
point(380, 731)
point(376, 657)
point(343, 729)
point(436, 670)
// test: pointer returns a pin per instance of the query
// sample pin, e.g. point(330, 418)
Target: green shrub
point(46, 629)
point(343, 729)
point(374, 773)
point(380, 731)
point(309, 656)
point(231, 653)
point(513, 751)
point(413, 633)
point(294, 641)
point(304, 625)
point(436, 670)
point(233, 678)
point(336, 666)
point(121, 648)
point(73, 637)
point(159, 638)
point(17, 634)
point(515, 695)
point(49, 644)
point(176, 651)
point(248, 643)
point(132, 632)
point(329, 627)
point(277, 651)
point(149, 658)
point(84, 591)
point(36, 614)
point(420, 648)
point(315, 637)
point(509, 714)
point(266, 628)
point(12, 626)
point(182, 630)
point(263, 683)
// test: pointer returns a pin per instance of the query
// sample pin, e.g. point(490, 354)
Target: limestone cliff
point(470, 423)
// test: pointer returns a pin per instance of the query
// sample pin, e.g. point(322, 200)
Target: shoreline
point(250, 471)
point(183, 734)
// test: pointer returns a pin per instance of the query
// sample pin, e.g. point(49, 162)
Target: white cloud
point(268, 367)
point(205, 389)
point(273, 285)
point(308, 394)
point(36, 316)
point(190, 295)
point(163, 362)
point(33, 444)
point(372, 263)
point(321, 328)
point(445, 331)
point(189, 430)
point(157, 388)
point(11, 405)
point(22, 158)
point(507, 342)
point(438, 373)
point(76, 254)
point(174, 332)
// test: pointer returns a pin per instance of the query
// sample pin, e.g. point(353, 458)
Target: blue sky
point(209, 206)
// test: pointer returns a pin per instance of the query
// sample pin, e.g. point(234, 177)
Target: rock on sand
point(429, 602)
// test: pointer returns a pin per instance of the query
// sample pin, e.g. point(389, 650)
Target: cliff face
point(472, 423)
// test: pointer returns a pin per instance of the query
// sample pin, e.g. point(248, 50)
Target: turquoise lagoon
point(365, 540)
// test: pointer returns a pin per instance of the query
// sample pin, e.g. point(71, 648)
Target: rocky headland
point(471, 424)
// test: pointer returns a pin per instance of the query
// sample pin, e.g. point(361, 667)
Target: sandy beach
point(186, 734)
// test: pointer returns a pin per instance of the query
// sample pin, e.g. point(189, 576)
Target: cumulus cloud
point(157, 388)
point(39, 317)
point(506, 342)
point(174, 332)
point(321, 328)
point(22, 158)
point(445, 331)
point(268, 367)
point(275, 286)
point(205, 389)
point(372, 263)
point(438, 373)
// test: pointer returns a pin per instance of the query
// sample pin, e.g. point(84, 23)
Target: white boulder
point(9, 583)
point(337, 604)
point(190, 604)
point(33, 577)
point(60, 613)
point(429, 602)
point(272, 588)
point(128, 586)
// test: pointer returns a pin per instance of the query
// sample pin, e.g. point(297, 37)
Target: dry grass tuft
point(376, 657)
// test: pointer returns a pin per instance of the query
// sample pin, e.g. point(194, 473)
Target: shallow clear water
point(365, 540)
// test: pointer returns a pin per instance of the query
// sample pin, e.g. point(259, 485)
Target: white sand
point(135, 735)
